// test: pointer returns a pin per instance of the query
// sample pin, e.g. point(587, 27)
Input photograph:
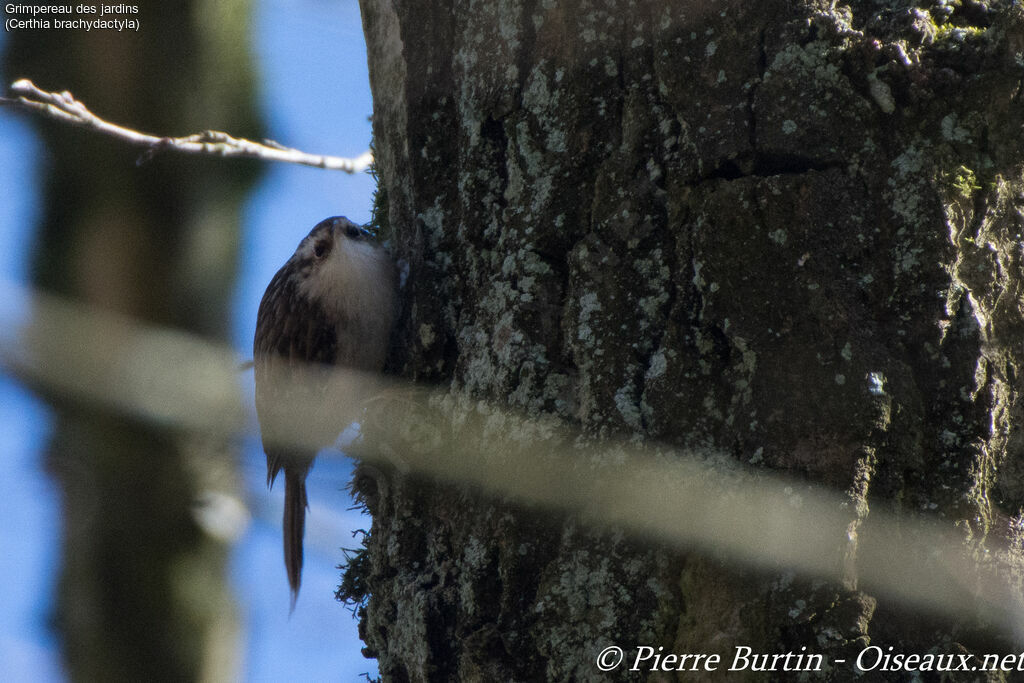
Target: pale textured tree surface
point(786, 230)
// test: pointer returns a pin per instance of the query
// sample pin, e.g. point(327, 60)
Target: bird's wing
point(294, 340)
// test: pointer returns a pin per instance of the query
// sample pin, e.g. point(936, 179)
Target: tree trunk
point(785, 230)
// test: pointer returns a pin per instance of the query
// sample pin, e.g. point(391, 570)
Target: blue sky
point(315, 95)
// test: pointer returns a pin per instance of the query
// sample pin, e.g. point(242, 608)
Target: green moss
point(959, 33)
point(943, 29)
point(379, 224)
point(963, 181)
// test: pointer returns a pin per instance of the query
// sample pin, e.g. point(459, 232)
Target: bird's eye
point(353, 232)
point(319, 249)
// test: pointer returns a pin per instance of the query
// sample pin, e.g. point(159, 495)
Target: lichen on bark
point(787, 231)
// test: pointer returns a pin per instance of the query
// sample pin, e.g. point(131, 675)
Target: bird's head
point(340, 261)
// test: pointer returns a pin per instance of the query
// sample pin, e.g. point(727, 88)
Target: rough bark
point(787, 230)
point(142, 593)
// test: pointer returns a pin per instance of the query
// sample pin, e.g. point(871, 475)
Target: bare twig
point(64, 107)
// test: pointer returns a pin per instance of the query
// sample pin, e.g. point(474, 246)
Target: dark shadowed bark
point(785, 230)
point(142, 593)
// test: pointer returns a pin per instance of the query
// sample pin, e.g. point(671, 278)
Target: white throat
point(355, 286)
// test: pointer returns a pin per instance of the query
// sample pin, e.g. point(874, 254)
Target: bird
point(331, 304)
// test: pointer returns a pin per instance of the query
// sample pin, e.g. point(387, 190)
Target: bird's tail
point(294, 527)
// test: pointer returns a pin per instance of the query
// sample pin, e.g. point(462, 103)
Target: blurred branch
point(64, 107)
point(688, 499)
